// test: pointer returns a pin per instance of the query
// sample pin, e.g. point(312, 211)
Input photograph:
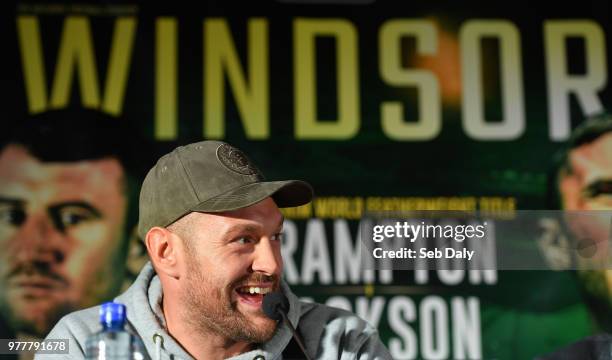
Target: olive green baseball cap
point(209, 176)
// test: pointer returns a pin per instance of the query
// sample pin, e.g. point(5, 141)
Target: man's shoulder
point(81, 323)
point(325, 323)
point(329, 332)
point(334, 317)
point(75, 327)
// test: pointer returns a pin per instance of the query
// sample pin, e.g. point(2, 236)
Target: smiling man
point(213, 231)
point(583, 186)
point(64, 223)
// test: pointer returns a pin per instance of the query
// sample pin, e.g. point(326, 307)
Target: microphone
point(276, 306)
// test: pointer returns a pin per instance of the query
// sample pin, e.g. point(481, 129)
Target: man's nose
point(39, 240)
point(267, 258)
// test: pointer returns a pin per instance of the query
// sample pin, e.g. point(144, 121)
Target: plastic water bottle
point(114, 342)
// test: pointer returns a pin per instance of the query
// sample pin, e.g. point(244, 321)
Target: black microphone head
point(274, 303)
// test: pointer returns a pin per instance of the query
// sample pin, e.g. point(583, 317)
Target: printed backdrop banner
point(380, 105)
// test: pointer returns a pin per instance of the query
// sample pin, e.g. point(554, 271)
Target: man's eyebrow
point(252, 228)
point(81, 204)
point(242, 227)
point(11, 201)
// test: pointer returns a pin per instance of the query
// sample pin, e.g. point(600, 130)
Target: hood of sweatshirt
point(146, 318)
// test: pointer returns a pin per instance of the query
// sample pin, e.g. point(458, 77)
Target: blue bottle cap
point(112, 315)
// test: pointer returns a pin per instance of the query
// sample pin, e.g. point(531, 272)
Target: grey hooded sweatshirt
point(328, 333)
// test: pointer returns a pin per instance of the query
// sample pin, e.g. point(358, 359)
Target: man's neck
point(209, 345)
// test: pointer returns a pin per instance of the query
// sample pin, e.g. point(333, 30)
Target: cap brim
point(284, 193)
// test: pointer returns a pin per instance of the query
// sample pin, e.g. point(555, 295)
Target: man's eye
point(244, 240)
point(598, 188)
point(71, 216)
point(12, 215)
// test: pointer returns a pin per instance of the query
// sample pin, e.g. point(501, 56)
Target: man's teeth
point(258, 290)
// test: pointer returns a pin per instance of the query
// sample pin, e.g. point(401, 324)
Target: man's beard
point(33, 315)
point(208, 307)
point(22, 317)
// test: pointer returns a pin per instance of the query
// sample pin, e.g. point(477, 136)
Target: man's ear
point(163, 248)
